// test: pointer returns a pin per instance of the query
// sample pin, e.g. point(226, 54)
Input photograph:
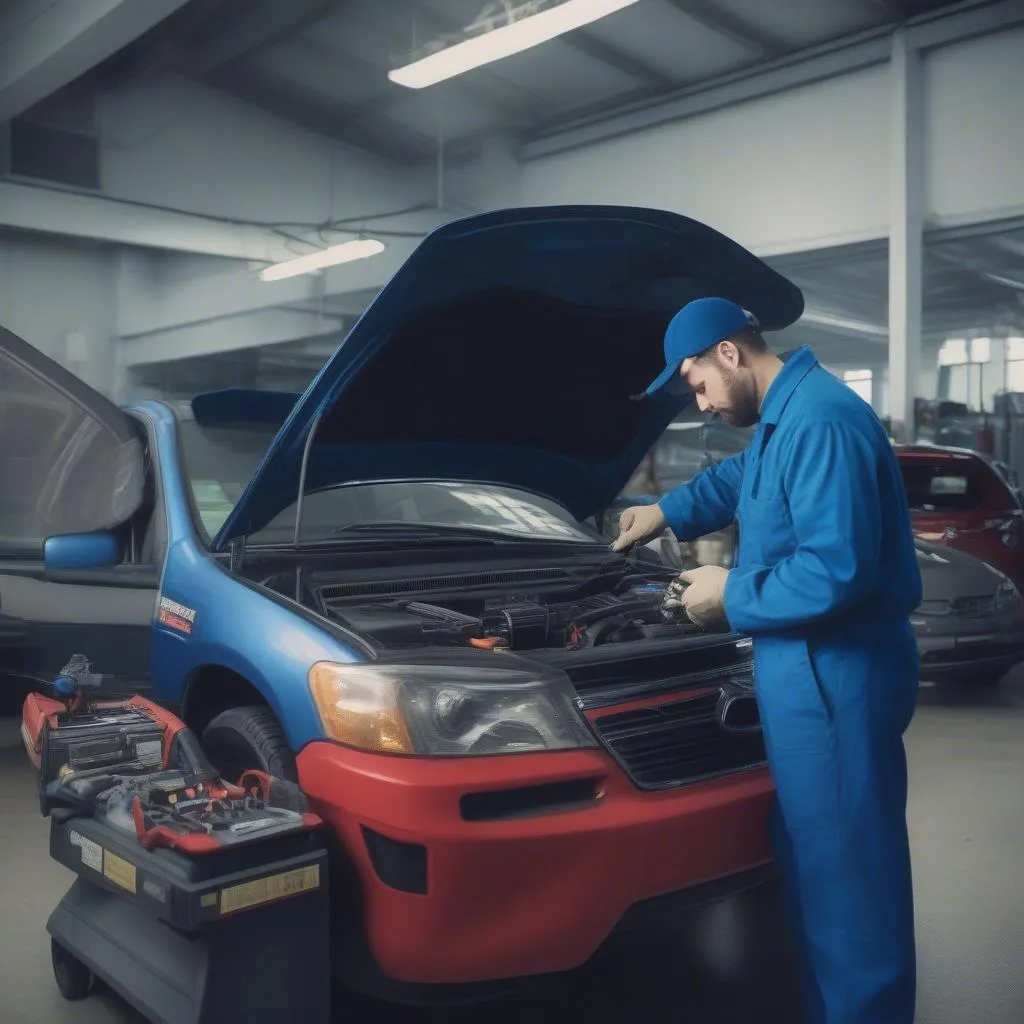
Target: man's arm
point(707, 502)
point(832, 482)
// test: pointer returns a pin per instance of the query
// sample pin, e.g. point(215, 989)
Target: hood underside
point(508, 350)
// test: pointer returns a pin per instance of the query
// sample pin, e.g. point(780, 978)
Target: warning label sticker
point(265, 890)
point(92, 853)
point(119, 871)
point(176, 616)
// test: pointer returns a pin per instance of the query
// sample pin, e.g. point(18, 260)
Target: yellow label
point(119, 871)
point(264, 890)
point(208, 899)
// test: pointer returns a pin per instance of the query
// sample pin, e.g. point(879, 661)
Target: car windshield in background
point(219, 462)
point(932, 488)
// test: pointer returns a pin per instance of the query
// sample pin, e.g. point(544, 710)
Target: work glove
point(704, 597)
point(637, 524)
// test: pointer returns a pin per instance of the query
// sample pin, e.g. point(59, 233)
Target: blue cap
point(695, 328)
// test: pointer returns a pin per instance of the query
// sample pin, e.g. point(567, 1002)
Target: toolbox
point(198, 901)
point(240, 935)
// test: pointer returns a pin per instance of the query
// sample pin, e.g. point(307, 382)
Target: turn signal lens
point(359, 709)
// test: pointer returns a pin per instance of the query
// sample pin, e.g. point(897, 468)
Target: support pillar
point(906, 233)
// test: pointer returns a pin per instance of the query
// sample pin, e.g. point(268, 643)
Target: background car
point(967, 501)
point(970, 625)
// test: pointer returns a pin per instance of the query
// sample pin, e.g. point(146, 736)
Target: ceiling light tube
point(504, 42)
point(357, 249)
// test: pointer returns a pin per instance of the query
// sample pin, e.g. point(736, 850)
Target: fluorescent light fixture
point(357, 249)
point(504, 42)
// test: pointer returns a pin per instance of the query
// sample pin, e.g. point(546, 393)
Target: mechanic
point(825, 580)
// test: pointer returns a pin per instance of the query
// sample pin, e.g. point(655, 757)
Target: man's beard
point(743, 410)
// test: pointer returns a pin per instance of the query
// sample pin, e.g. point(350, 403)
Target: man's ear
point(729, 353)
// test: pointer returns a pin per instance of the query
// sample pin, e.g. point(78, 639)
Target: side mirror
point(72, 551)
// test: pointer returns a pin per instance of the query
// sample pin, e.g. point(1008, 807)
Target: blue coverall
point(825, 580)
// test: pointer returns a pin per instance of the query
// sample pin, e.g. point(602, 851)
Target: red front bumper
point(533, 895)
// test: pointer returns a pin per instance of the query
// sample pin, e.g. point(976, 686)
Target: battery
point(120, 739)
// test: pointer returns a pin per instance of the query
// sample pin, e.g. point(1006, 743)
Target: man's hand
point(704, 597)
point(637, 524)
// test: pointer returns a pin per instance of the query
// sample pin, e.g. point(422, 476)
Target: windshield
point(218, 463)
point(935, 487)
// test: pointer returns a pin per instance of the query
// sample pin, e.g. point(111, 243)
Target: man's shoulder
point(823, 399)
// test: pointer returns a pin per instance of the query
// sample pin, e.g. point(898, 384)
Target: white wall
point(809, 167)
point(59, 296)
point(171, 141)
point(974, 129)
point(796, 170)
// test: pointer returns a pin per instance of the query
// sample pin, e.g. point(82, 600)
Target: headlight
point(1007, 595)
point(446, 710)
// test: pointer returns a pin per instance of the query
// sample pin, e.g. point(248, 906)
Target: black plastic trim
point(401, 866)
point(530, 801)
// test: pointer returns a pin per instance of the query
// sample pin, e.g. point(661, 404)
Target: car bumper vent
point(678, 743)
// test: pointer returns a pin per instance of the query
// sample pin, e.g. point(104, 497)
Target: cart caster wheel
point(74, 979)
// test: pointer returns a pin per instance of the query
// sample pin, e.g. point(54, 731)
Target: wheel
point(74, 979)
point(248, 737)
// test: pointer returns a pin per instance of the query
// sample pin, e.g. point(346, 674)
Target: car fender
point(205, 616)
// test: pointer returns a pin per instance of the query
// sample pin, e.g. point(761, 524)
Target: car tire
point(244, 738)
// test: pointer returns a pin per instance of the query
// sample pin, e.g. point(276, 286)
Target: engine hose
point(592, 637)
point(626, 608)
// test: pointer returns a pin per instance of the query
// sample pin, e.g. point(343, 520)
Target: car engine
point(631, 610)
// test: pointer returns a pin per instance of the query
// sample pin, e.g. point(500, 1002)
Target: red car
point(966, 501)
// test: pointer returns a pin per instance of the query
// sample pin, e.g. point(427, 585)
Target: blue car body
point(235, 626)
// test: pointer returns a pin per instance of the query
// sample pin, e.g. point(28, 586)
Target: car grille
point(973, 605)
point(678, 743)
point(966, 607)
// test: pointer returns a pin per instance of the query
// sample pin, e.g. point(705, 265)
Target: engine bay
point(625, 610)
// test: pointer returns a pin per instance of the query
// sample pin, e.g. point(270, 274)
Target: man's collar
point(793, 371)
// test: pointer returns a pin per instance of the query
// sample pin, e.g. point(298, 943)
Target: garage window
point(859, 381)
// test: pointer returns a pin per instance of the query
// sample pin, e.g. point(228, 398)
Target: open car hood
point(508, 350)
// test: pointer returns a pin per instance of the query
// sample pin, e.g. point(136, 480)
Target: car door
point(72, 466)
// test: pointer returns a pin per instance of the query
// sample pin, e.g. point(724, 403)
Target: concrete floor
point(967, 820)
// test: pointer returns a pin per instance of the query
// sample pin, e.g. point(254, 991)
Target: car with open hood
point(393, 589)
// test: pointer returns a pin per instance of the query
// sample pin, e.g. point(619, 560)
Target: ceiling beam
point(270, 22)
point(325, 114)
point(246, 331)
point(592, 46)
point(977, 268)
point(63, 212)
point(65, 40)
point(893, 10)
point(730, 27)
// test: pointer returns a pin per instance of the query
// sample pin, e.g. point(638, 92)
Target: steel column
point(906, 232)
